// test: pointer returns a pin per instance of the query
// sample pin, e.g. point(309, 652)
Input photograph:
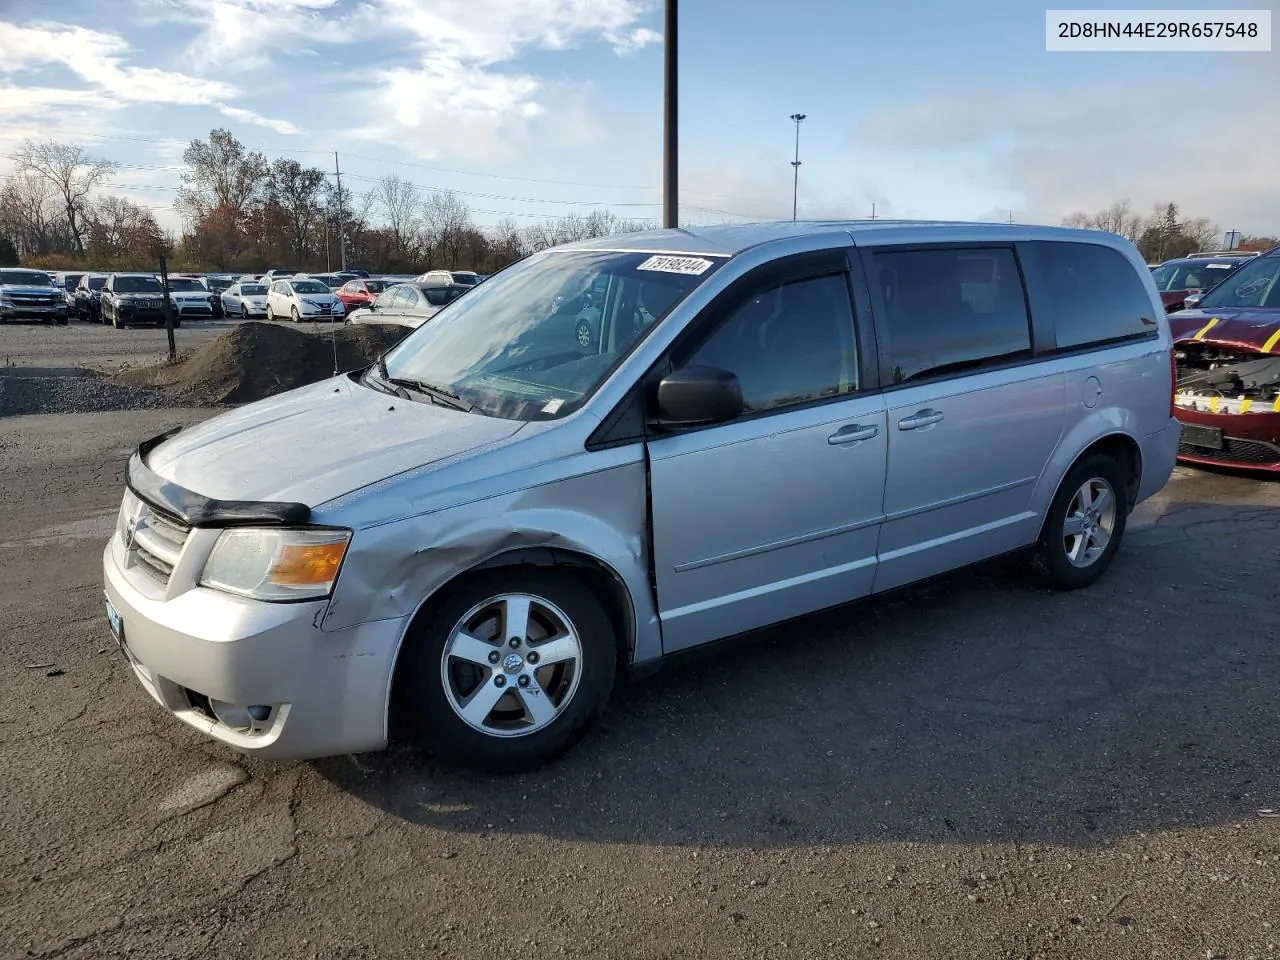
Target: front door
point(972, 419)
point(775, 514)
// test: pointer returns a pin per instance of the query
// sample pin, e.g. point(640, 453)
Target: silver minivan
point(627, 447)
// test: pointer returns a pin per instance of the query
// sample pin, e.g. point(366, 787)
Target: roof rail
point(1224, 253)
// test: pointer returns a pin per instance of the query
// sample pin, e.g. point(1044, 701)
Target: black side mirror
point(696, 396)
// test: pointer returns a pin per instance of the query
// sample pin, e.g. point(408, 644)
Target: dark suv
point(85, 300)
point(130, 298)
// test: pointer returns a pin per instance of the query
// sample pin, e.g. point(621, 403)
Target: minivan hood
point(318, 442)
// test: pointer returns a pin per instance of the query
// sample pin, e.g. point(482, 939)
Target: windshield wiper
point(439, 395)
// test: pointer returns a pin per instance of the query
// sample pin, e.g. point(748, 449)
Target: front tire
point(293, 313)
point(510, 670)
point(244, 312)
point(271, 314)
point(1084, 526)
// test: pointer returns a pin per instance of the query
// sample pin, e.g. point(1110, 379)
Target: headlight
point(130, 507)
point(269, 564)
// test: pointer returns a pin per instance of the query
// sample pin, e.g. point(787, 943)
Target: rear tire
point(1085, 525)
point(537, 711)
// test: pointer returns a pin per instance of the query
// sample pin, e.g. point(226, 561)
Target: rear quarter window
point(1093, 294)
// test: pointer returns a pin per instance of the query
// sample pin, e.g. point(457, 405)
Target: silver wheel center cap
point(512, 663)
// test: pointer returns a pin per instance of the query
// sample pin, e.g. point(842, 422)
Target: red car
point(1227, 354)
point(360, 293)
point(1178, 279)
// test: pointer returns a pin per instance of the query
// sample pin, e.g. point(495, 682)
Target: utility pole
point(342, 230)
point(795, 164)
point(873, 209)
point(168, 308)
point(670, 131)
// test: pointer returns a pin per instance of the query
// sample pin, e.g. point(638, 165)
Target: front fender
point(394, 568)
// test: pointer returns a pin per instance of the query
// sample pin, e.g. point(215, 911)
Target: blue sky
point(923, 107)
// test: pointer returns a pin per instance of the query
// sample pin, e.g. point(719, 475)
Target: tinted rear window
point(951, 310)
point(1094, 294)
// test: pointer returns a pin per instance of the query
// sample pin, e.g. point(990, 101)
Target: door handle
point(923, 418)
point(852, 433)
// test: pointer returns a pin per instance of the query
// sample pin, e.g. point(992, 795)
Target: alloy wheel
point(511, 665)
point(1089, 523)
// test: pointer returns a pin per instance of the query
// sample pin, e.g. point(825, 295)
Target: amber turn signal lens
point(307, 564)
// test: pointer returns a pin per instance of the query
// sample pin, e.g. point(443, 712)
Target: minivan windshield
point(1256, 284)
point(537, 339)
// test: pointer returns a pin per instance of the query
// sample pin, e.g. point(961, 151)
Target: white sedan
point(300, 299)
point(245, 300)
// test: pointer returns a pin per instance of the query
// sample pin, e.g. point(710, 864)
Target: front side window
point(1256, 284)
point(1094, 293)
point(790, 343)
point(534, 341)
point(950, 310)
point(371, 286)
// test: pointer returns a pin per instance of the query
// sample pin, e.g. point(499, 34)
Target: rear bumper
point(1250, 441)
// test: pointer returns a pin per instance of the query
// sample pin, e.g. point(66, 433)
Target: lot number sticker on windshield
point(692, 266)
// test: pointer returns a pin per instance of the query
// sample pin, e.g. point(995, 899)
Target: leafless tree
point(220, 173)
point(400, 204)
point(30, 211)
point(118, 227)
point(445, 220)
point(298, 192)
point(71, 172)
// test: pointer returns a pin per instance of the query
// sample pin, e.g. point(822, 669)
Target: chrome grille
point(157, 542)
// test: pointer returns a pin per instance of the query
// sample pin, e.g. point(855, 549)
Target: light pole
point(670, 162)
point(795, 165)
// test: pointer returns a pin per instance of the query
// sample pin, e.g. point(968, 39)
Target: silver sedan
point(245, 300)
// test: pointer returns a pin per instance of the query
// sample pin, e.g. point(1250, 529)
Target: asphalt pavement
point(972, 768)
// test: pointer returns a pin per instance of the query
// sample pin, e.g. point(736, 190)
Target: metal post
point(342, 229)
point(873, 209)
point(795, 190)
point(168, 308)
point(670, 130)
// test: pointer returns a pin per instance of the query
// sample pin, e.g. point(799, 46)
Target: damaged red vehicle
point(1227, 356)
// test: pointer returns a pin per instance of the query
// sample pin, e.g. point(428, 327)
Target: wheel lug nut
point(499, 681)
point(532, 657)
point(523, 681)
point(494, 657)
point(513, 642)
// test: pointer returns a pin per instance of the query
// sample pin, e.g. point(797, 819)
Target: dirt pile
point(257, 360)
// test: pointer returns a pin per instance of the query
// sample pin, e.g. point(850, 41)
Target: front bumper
point(21, 311)
point(1250, 441)
point(327, 691)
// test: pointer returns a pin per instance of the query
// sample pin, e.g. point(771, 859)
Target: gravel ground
point(975, 768)
point(28, 395)
point(105, 348)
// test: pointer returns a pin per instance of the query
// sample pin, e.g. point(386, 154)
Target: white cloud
point(240, 35)
point(461, 99)
point(1207, 142)
point(98, 59)
point(248, 116)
